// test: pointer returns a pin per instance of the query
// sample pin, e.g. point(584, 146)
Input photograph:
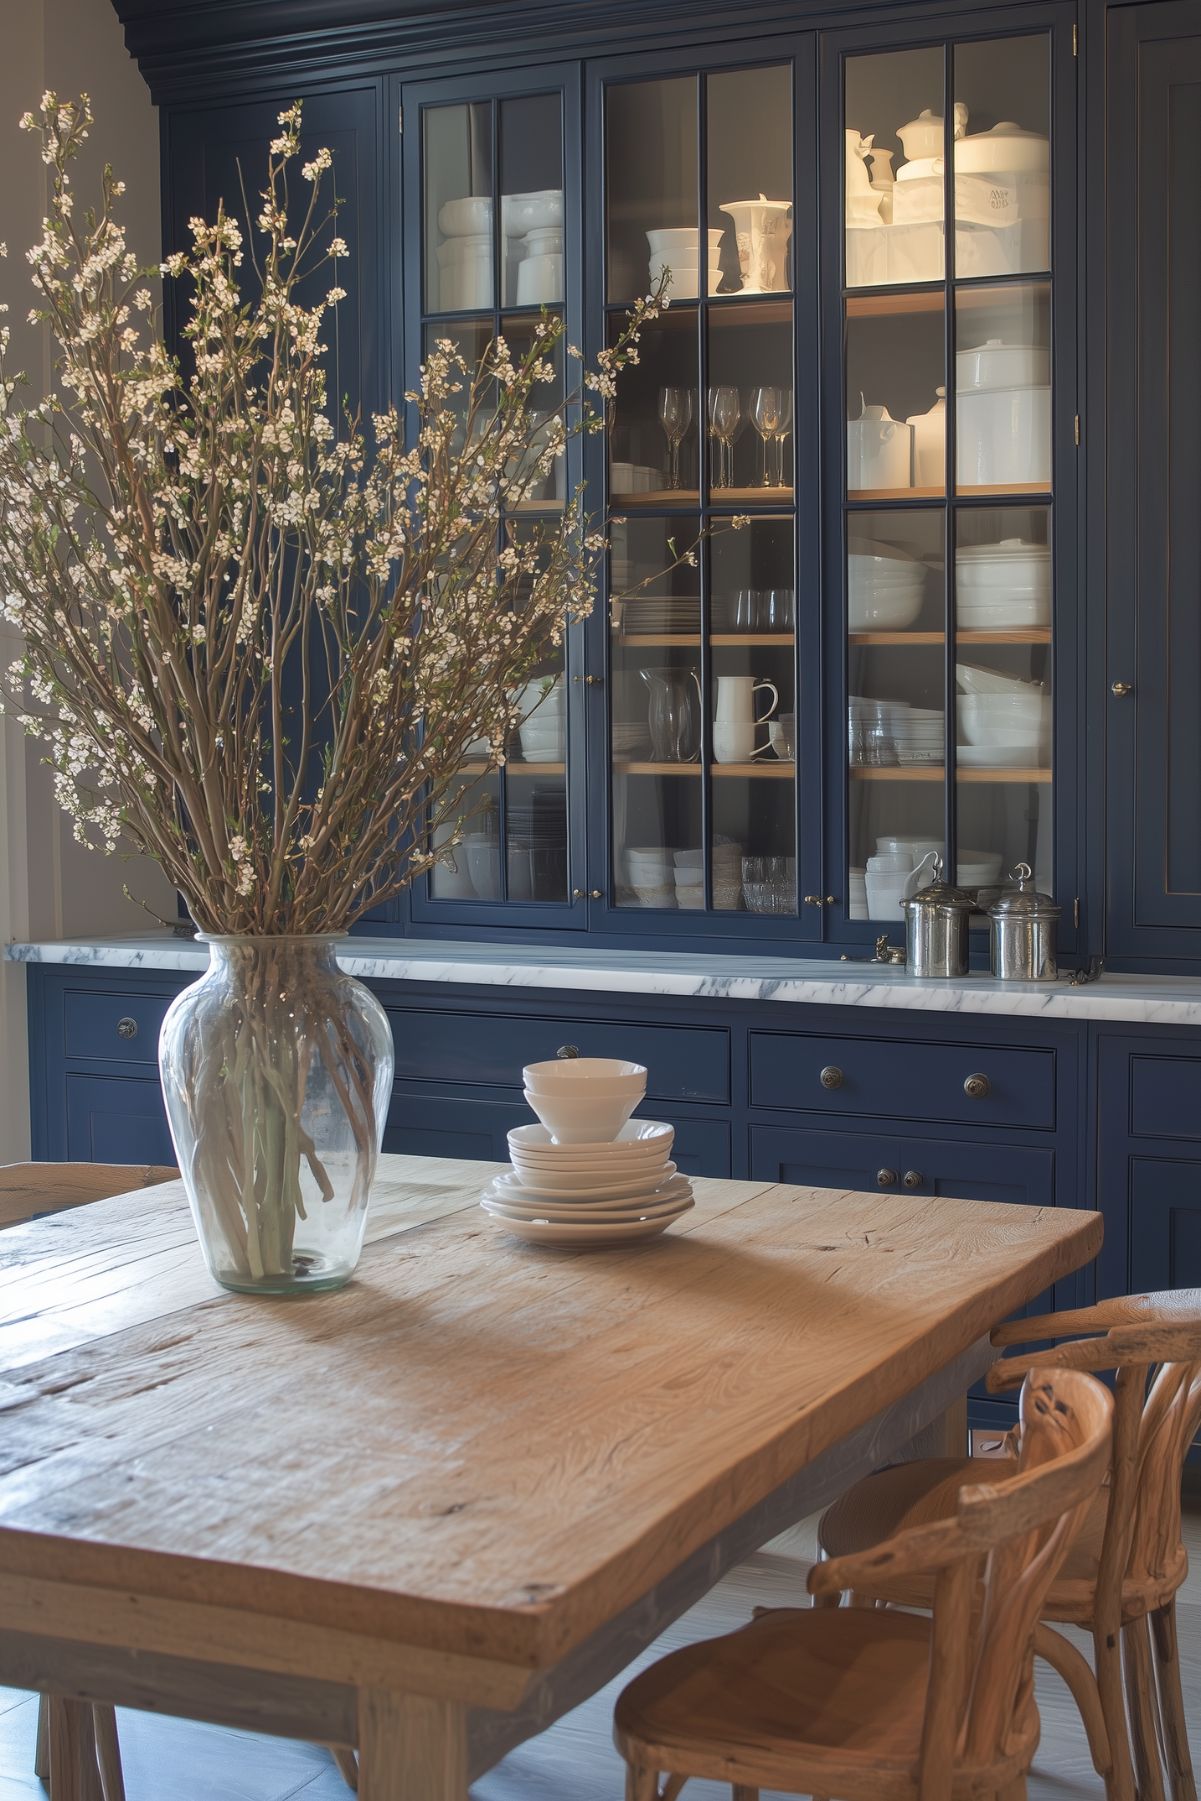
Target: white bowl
point(1010, 563)
point(682, 237)
point(584, 1118)
point(995, 364)
point(460, 218)
point(556, 1071)
point(972, 679)
point(537, 211)
point(868, 612)
point(879, 549)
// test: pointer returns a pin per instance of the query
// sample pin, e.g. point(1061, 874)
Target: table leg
point(411, 1748)
point(74, 1773)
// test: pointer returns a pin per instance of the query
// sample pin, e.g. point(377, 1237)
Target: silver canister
point(1023, 925)
point(936, 928)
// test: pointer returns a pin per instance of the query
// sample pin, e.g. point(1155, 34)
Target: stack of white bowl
point(678, 248)
point(885, 587)
point(533, 228)
point(588, 1174)
point(465, 255)
point(543, 729)
point(1003, 417)
point(1003, 587)
point(1004, 723)
point(651, 869)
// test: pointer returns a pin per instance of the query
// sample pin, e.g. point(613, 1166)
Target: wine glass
point(781, 434)
point(675, 416)
point(725, 415)
point(767, 414)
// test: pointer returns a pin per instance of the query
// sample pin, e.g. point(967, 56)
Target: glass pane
point(471, 871)
point(531, 207)
point(535, 774)
point(1004, 693)
point(896, 386)
point(1003, 388)
point(748, 411)
point(753, 663)
point(547, 490)
point(655, 701)
point(750, 179)
point(472, 337)
point(459, 226)
point(896, 717)
point(652, 200)
point(1002, 158)
point(894, 186)
point(654, 428)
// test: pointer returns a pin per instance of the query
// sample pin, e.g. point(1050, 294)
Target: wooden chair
point(872, 1704)
point(1120, 1581)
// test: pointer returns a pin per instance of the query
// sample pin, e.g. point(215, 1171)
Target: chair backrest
point(29, 1190)
point(995, 1560)
point(1153, 1342)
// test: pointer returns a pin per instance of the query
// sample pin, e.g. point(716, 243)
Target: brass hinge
point(1075, 40)
point(400, 120)
point(1076, 911)
point(1076, 430)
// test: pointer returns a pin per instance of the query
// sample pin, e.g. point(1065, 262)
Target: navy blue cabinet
point(1149, 1159)
point(114, 1119)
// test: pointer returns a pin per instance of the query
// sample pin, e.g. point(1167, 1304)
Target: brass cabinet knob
point(814, 900)
point(913, 1178)
point(977, 1087)
point(831, 1076)
point(1120, 690)
point(568, 1051)
point(587, 894)
point(127, 1028)
point(886, 1178)
point(596, 894)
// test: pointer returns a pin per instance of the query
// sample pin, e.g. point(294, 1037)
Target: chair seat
point(913, 1494)
point(810, 1700)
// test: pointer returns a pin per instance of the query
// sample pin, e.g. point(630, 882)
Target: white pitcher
point(879, 449)
point(734, 721)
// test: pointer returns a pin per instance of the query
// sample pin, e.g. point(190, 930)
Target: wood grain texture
point(30, 1189)
point(476, 1448)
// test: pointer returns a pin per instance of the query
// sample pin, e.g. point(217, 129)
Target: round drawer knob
point(886, 1178)
point(977, 1088)
point(831, 1076)
point(127, 1028)
point(568, 1051)
point(913, 1178)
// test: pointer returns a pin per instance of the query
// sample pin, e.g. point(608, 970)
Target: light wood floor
point(174, 1760)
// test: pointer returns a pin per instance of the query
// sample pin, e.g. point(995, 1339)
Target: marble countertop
point(1144, 1000)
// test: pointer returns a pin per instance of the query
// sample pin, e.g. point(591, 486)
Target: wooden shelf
point(769, 771)
point(684, 640)
point(1034, 634)
point(857, 496)
point(720, 499)
point(512, 767)
point(520, 508)
point(902, 302)
point(1002, 491)
point(749, 309)
point(927, 772)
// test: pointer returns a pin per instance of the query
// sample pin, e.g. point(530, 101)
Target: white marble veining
point(1144, 1000)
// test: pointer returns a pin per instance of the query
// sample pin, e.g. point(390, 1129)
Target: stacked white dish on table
point(588, 1174)
point(678, 249)
point(885, 587)
point(1003, 586)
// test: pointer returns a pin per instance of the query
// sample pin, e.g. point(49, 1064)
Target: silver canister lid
point(939, 897)
point(1024, 901)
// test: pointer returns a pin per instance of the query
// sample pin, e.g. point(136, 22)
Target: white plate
point(638, 1137)
point(594, 1216)
point(568, 1186)
point(577, 1237)
point(998, 756)
point(506, 1193)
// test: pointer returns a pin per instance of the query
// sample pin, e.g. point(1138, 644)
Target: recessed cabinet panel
point(1165, 1097)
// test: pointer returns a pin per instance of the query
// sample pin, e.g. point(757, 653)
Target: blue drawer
point(488, 1050)
point(902, 1079)
point(112, 1027)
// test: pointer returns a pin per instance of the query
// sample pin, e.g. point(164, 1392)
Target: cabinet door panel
point(1154, 528)
point(1165, 1214)
point(452, 1128)
point(116, 1119)
point(821, 1159)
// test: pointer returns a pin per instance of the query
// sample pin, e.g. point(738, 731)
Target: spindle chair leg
point(672, 1788)
point(1067, 1662)
point(41, 1745)
point(1177, 1756)
point(108, 1752)
point(1107, 1662)
point(741, 1793)
point(1140, 1699)
point(641, 1785)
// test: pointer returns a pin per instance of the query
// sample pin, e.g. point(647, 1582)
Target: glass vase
point(277, 1071)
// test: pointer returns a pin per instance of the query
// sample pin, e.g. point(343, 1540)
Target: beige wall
point(49, 886)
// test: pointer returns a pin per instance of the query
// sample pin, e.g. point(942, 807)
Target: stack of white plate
point(919, 734)
point(566, 1188)
point(663, 613)
point(678, 249)
point(885, 587)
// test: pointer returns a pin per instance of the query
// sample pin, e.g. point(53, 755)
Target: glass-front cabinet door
point(700, 626)
point(491, 235)
point(951, 499)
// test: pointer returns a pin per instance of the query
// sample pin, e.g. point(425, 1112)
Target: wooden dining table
point(428, 1514)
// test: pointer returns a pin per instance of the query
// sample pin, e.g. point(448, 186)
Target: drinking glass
point(767, 416)
point(725, 415)
point(675, 416)
point(780, 435)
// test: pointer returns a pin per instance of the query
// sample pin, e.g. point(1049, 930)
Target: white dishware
point(922, 137)
point(996, 364)
point(734, 721)
point(916, 847)
point(994, 718)
point(762, 229)
point(575, 1216)
point(558, 1072)
point(1003, 437)
point(483, 864)
point(1004, 147)
point(857, 180)
point(640, 1138)
point(1002, 754)
point(543, 744)
point(585, 1185)
point(879, 450)
point(921, 168)
point(523, 213)
point(970, 678)
point(668, 238)
point(885, 892)
point(462, 286)
point(602, 1088)
point(1008, 573)
point(465, 217)
point(539, 280)
point(583, 1118)
point(889, 861)
point(579, 1236)
point(656, 1188)
point(930, 443)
